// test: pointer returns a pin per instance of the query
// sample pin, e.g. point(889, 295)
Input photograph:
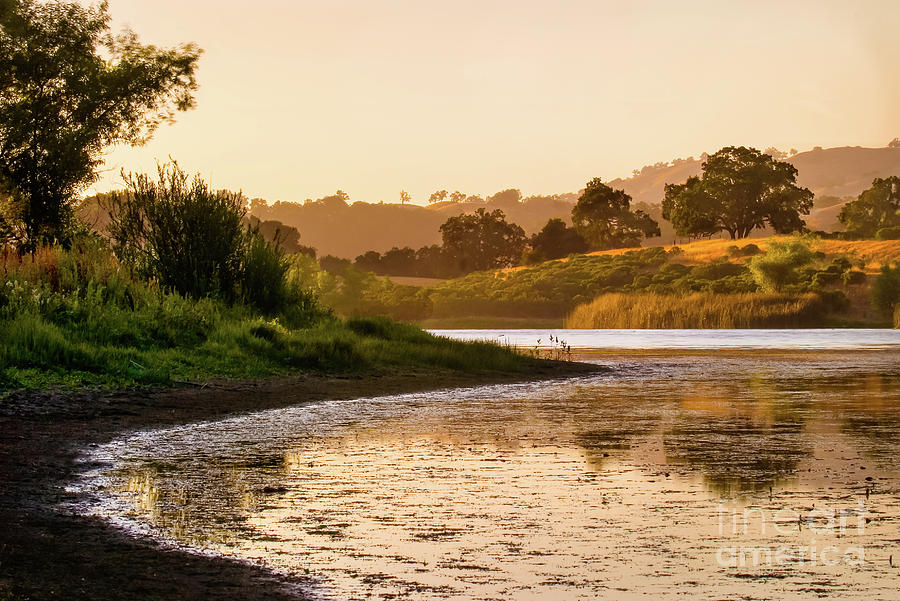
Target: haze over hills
point(336, 226)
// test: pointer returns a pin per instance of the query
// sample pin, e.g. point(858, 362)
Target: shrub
point(779, 266)
point(886, 290)
point(180, 232)
point(262, 276)
point(748, 250)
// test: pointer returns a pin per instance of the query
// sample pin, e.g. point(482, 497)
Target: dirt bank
point(48, 555)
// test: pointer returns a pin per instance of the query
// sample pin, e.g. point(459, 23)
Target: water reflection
point(607, 487)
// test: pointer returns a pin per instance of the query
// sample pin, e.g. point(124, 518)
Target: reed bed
point(698, 310)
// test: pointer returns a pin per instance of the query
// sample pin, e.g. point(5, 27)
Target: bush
point(779, 266)
point(263, 272)
point(886, 291)
point(746, 251)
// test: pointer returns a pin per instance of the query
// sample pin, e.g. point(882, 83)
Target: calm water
point(715, 474)
point(687, 339)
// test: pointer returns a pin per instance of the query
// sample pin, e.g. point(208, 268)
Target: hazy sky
point(300, 98)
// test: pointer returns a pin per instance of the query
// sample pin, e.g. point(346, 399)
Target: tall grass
point(699, 310)
point(74, 318)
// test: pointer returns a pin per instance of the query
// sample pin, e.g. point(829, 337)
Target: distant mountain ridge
point(347, 230)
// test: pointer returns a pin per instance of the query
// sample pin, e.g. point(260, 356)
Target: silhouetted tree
point(483, 240)
point(404, 197)
point(335, 265)
point(69, 89)
point(457, 196)
point(506, 198)
point(554, 241)
point(604, 219)
point(438, 196)
point(874, 209)
point(741, 189)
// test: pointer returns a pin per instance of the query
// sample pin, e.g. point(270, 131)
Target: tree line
point(69, 89)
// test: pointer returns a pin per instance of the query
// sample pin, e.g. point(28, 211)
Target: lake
point(712, 464)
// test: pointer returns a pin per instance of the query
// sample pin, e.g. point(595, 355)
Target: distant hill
point(348, 230)
point(336, 227)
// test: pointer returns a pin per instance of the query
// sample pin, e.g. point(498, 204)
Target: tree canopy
point(741, 189)
point(554, 241)
point(482, 240)
point(68, 89)
point(875, 209)
point(604, 219)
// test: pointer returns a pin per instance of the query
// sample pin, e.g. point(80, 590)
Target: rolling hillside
point(349, 229)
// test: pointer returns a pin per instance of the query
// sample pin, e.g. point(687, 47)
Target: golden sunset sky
point(299, 98)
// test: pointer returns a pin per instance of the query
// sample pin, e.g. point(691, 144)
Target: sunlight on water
point(717, 475)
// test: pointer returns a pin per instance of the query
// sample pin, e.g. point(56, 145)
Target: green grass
point(74, 318)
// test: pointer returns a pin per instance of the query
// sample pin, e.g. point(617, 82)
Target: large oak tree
point(69, 89)
point(741, 189)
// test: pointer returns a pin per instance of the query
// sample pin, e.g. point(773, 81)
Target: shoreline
point(46, 554)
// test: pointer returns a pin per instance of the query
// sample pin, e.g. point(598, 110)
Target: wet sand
point(46, 554)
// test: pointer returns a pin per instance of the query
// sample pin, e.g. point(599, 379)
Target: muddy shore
point(45, 554)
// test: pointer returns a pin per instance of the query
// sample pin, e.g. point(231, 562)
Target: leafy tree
point(483, 240)
point(604, 219)
point(886, 291)
point(404, 197)
point(506, 198)
point(554, 241)
point(875, 209)
point(69, 89)
point(741, 189)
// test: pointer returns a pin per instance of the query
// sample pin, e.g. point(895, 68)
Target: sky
point(300, 98)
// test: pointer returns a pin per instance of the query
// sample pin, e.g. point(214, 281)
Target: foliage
point(181, 233)
point(747, 250)
point(604, 219)
point(69, 89)
point(483, 240)
point(741, 189)
point(550, 289)
point(427, 262)
point(283, 236)
point(75, 317)
point(555, 241)
point(876, 209)
point(886, 290)
point(780, 266)
point(697, 310)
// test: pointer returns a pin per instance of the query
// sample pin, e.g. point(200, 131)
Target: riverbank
point(45, 554)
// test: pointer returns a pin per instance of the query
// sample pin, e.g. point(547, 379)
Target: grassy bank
point(75, 318)
point(698, 310)
point(874, 253)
